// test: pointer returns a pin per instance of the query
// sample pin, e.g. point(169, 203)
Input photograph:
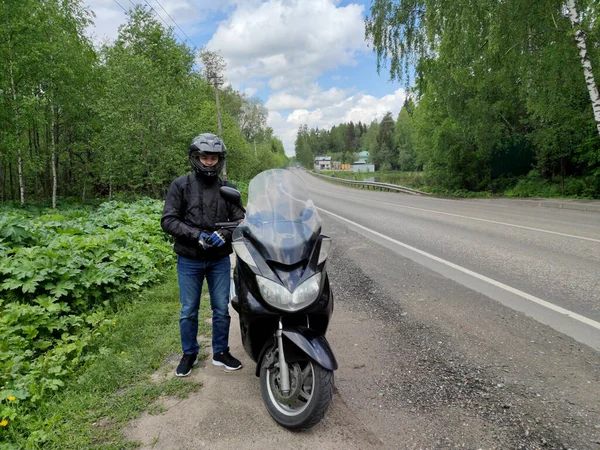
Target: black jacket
point(193, 206)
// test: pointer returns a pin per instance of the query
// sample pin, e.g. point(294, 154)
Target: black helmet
point(207, 144)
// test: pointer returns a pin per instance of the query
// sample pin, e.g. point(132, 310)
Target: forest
point(501, 95)
point(80, 120)
point(91, 136)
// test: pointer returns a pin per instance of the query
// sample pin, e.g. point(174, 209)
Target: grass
point(531, 185)
point(117, 386)
point(409, 179)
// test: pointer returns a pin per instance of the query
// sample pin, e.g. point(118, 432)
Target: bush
point(58, 274)
point(585, 187)
point(533, 185)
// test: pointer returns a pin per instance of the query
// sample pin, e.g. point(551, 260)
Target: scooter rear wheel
point(311, 391)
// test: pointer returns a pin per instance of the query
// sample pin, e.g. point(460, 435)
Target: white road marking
point(467, 217)
point(531, 298)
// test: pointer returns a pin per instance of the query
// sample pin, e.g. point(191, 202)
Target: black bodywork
point(304, 330)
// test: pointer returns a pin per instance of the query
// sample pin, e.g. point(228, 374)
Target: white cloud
point(108, 18)
point(315, 98)
point(289, 42)
point(360, 107)
point(187, 14)
point(280, 47)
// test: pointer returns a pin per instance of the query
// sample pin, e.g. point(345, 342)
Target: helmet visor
point(207, 163)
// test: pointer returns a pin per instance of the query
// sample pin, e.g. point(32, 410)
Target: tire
point(310, 396)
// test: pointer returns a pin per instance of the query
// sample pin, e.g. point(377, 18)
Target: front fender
point(313, 344)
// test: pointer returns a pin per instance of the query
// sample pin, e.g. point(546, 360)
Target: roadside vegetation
point(76, 318)
point(531, 185)
point(90, 139)
point(80, 122)
point(115, 383)
point(501, 98)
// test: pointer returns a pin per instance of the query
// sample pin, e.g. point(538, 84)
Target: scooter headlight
point(279, 297)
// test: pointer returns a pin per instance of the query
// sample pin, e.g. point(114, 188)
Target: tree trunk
point(562, 175)
point(3, 181)
point(83, 192)
point(36, 188)
point(585, 60)
point(18, 136)
point(10, 177)
point(53, 157)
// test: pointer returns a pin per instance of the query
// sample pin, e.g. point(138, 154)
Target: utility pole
point(214, 66)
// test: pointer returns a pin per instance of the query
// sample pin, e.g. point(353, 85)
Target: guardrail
point(373, 184)
point(577, 205)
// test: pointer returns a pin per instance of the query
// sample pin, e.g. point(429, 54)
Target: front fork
point(284, 370)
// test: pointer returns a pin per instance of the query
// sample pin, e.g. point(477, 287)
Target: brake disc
point(295, 384)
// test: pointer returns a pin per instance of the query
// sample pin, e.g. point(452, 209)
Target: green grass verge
point(93, 408)
point(531, 185)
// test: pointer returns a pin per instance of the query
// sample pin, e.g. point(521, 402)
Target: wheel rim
point(302, 381)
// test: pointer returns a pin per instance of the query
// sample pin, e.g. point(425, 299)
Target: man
point(192, 207)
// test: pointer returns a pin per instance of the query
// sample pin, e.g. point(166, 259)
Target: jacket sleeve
point(171, 217)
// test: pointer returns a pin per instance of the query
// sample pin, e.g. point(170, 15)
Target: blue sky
point(305, 59)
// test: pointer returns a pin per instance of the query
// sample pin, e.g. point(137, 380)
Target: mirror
point(305, 214)
point(232, 196)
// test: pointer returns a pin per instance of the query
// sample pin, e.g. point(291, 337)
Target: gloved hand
point(216, 239)
point(203, 240)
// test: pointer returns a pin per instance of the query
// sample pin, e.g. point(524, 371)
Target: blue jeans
point(190, 274)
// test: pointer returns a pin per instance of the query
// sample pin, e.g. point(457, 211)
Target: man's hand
point(216, 239)
point(203, 240)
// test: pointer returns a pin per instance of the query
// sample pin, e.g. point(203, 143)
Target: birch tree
point(590, 81)
point(493, 79)
point(16, 40)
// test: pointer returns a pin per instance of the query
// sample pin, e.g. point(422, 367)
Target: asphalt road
point(461, 324)
point(505, 250)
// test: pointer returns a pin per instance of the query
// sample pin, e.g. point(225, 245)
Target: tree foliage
point(499, 86)
point(81, 121)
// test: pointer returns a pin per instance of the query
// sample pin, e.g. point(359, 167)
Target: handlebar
point(226, 224)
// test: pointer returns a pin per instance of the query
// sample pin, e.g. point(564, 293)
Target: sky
point(307, 60)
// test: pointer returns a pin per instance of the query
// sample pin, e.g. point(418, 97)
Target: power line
point(188, 38)
point(163, 20)
point(120, 5)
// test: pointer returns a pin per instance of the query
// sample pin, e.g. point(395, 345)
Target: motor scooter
point(283, 296)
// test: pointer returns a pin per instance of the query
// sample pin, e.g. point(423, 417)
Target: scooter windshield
point(281, 217)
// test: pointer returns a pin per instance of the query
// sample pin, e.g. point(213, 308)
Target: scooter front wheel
point(311, 391)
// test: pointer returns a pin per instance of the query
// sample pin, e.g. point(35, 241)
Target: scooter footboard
point(313, 344)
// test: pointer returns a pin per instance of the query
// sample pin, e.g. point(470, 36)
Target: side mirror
point(232, 196)
point(305, 214)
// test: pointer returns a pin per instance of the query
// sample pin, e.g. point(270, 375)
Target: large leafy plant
point(58, 275)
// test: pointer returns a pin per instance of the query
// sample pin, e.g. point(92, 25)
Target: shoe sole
point(220, 364)
point(190, 371)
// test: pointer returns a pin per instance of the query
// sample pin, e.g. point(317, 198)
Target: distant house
point(362, 165)
point(323, 163)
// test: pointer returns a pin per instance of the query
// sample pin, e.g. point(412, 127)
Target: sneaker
point(225, 359)
point(185, 365)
